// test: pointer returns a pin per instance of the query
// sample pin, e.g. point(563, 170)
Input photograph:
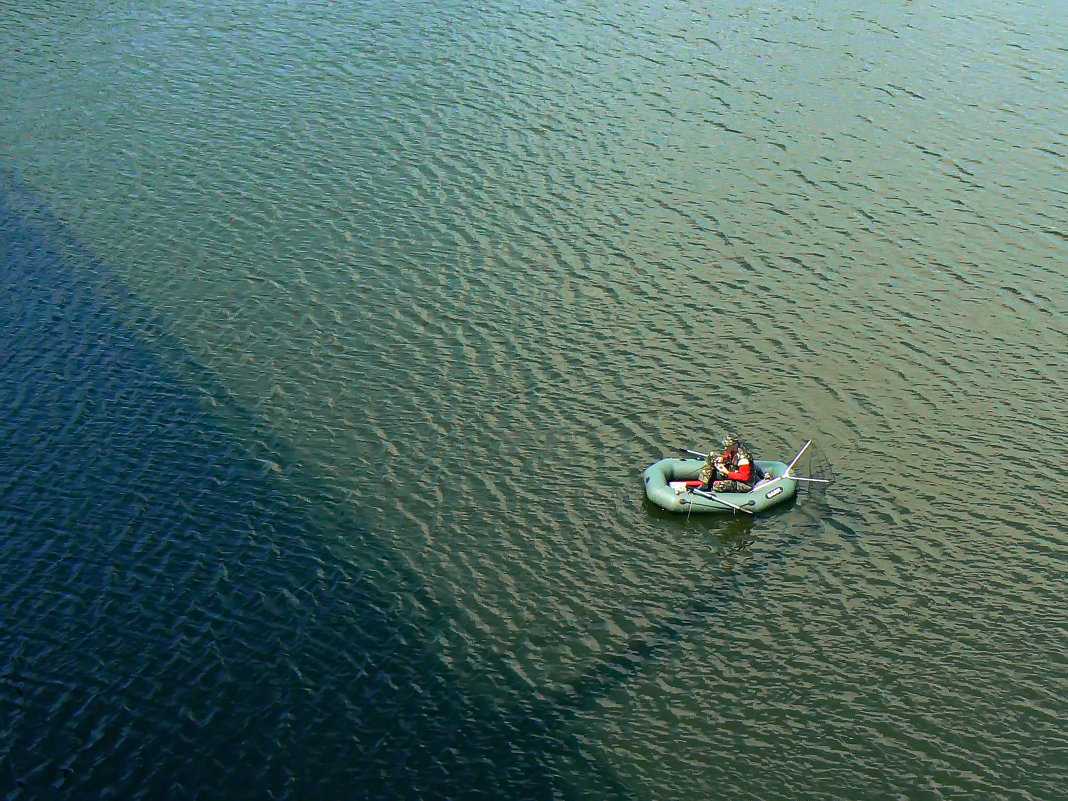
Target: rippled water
point(336, 337)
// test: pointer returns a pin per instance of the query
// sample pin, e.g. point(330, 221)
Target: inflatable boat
point(672, 484)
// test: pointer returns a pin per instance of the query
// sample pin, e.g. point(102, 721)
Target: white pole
point(790, 466)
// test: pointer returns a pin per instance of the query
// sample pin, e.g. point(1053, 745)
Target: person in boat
point(733, 471)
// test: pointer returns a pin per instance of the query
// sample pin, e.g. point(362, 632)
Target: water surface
point(337, 337)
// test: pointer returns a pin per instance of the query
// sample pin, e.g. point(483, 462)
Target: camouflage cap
point(731, 439)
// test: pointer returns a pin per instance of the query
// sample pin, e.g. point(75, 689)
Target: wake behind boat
point(673, 484)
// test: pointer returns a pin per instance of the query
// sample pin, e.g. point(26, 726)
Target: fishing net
point(813, 464)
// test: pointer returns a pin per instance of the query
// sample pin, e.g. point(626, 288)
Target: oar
point(695, 453)
point(717, 499)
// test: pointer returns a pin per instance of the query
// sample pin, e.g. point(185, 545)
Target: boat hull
point(659, 477)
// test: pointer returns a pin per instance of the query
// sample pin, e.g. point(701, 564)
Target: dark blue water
point(185, 617)
point(179, 619)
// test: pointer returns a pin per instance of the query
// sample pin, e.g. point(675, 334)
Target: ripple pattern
point(401, 298)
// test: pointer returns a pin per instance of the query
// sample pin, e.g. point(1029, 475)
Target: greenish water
point(338, 335)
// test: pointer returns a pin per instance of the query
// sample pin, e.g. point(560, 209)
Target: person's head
point(731, 442)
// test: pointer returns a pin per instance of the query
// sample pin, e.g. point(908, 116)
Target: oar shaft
point(712, 497)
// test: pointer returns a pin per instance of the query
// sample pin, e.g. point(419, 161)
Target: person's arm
point(743, 473)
